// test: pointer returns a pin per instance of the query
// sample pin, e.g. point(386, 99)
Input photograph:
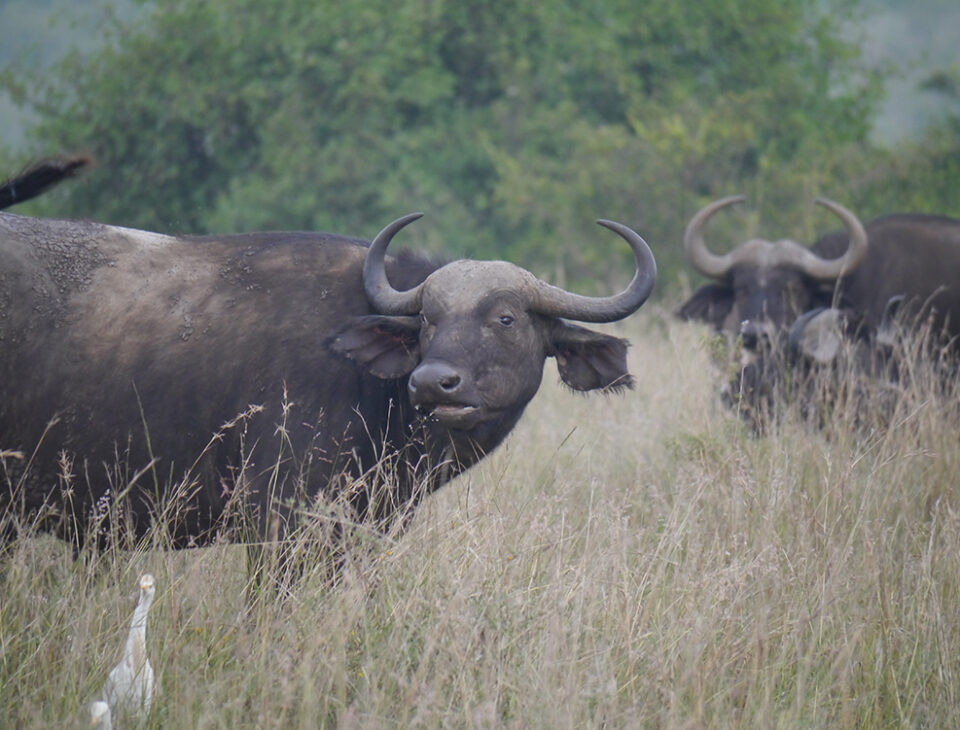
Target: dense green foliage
point(513, 125)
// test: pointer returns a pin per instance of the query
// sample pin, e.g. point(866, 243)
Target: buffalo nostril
point(449, 382)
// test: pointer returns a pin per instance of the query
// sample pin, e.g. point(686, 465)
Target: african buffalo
point(832, 360)
point(762, 287)
point(280, 367)
point(38, 178)
point(825, 313)
point(827, 350)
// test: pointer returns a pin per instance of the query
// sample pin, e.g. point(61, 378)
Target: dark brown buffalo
point(813, 321)
point(267, 369)
point(828, 352)
point(761, 288)
point(834, 363)
point(38, 178)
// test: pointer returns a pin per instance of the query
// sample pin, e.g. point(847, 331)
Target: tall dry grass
point(624, 561)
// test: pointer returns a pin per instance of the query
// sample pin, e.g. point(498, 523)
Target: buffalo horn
point(830, 269)
point(381, 294)
point(556, 302)
point(785, 253)
point(707, 263)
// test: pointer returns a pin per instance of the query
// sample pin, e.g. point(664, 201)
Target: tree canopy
point(513, 125)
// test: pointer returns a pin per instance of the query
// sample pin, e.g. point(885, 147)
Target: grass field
point(628, 561)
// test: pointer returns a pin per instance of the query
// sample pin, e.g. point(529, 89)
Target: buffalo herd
point(846, 300)
point(192, 379)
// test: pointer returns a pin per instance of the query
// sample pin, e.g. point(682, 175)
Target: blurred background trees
point(514, 125)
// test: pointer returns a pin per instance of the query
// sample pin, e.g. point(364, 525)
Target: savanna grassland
point(639, 560)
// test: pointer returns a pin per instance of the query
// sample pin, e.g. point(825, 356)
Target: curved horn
point(384, 298)
point(557, 302)
point(703, 261)
point(830, 269)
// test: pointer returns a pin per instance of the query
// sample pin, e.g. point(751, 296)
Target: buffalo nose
point(751, 333)
point(434, 381)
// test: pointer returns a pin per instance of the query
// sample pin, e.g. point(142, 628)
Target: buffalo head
point(763, 286)
point(473, 336)
point(830, 354)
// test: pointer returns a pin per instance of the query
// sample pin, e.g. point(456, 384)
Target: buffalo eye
point(423, 320)
point(506, 320)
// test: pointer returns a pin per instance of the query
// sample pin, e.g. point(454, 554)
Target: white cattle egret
point(129, 688)
point(100, 716)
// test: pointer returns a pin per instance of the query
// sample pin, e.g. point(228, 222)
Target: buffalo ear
point(588, 360)
point(887, 330)
point(818, 334)
point(387, 347)
point(710, 303)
